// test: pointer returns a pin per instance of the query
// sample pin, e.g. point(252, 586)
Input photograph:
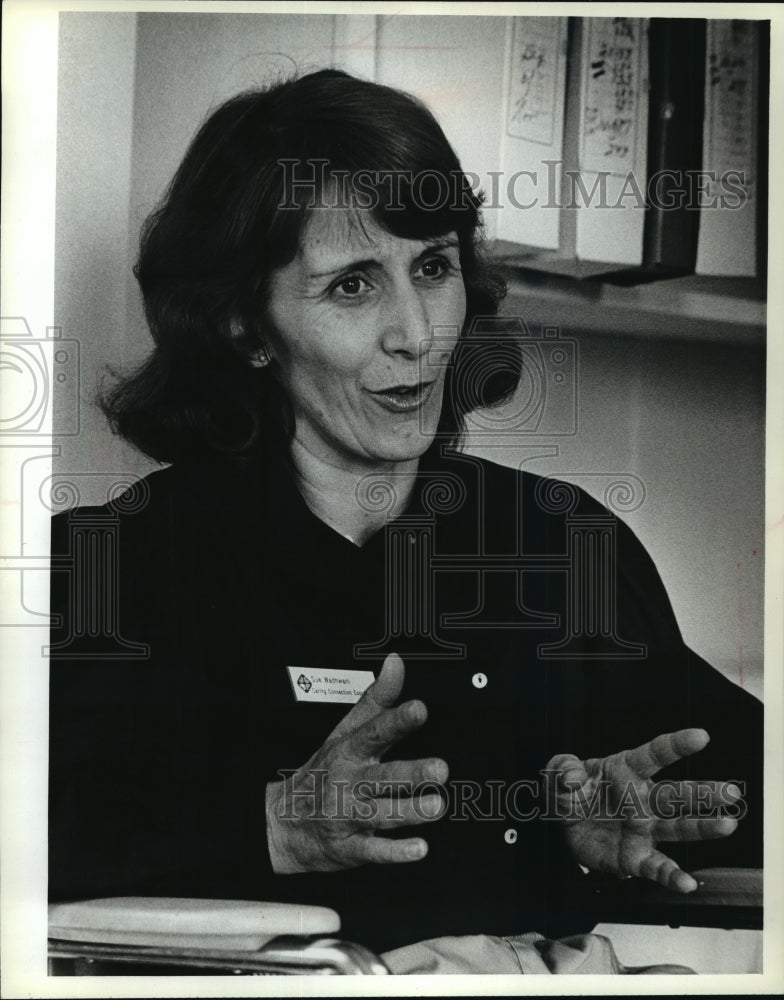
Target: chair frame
point(728, 898)
point(283, 955)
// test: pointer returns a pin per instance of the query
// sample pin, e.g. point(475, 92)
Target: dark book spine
point(677, 108)
point(675, 127)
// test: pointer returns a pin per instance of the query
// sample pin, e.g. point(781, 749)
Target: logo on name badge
point(337, 687)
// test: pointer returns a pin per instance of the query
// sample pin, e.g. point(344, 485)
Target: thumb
point(571, 771)
point(378, 696)
point(385, 689)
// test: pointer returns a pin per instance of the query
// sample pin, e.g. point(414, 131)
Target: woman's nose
point(406, 324)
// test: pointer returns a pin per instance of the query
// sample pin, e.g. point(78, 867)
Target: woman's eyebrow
point(441, 244)
point(351, 265)
point(371, 262)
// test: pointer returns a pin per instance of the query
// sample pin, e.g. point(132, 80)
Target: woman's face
point(363, 326)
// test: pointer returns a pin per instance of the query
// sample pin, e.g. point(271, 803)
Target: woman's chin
point(402, 449)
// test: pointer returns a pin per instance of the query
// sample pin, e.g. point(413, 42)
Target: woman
point(323, 322)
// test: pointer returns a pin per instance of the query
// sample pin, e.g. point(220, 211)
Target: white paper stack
point(532, 138)
point(727, 243)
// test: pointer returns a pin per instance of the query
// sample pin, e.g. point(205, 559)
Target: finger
point(385, 689)
point(381, 694)
point(695, 800)
point(394, 813)
point(366, 849)
point(693, 829)
point(651, 757)
point(572, 771)
point(659, 868)
point(401, 777)
point(377, 735)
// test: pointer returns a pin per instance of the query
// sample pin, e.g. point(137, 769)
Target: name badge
point(344, 687)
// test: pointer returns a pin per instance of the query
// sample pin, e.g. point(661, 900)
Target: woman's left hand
point(615, 814)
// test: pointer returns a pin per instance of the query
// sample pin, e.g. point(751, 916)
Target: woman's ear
point(260, 358)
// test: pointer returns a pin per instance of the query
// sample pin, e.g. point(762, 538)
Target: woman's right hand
point(327, 815)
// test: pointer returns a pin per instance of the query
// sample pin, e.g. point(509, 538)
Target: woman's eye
point(436, 267)
point(350, 287)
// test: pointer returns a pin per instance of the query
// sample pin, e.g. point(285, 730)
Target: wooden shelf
point(695, 307)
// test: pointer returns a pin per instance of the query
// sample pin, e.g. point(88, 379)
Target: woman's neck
point(355, 502)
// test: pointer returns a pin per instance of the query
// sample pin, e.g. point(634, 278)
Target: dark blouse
point(531, 622)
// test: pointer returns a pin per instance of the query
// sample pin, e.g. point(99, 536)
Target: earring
point(262, 358)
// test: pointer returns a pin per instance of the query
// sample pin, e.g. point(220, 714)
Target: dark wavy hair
point(208, 251)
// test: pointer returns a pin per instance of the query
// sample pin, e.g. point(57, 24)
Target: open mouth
point(403, 397)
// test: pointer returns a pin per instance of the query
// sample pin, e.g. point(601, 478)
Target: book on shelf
point(532, 138)
point(675, 151)
point(727, 244)
point(660, 154)
point(598, 210)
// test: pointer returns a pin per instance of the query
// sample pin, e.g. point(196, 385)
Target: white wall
point(686, 418)
point(94, 136)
